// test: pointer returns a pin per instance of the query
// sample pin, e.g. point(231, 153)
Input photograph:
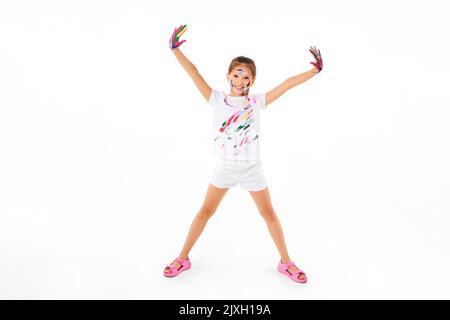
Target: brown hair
point(245, 61)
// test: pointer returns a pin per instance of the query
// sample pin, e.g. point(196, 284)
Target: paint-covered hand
point(318, 57)
point(174, 39)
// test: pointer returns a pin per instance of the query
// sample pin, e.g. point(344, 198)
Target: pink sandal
point(283, 268)
point(185, 264)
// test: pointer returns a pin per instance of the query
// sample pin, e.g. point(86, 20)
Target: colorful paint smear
point(242, 133)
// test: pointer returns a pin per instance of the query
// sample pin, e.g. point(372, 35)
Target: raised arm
point(187, 65)
point(275, 93)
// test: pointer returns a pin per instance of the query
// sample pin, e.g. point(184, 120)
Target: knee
point(269, 215)
point(205, 213)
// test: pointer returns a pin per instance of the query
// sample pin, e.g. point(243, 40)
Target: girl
point(236, 125)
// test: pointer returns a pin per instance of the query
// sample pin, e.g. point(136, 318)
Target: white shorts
point(250, 175)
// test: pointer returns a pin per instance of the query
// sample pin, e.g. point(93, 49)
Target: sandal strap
point(297, 272)
point(182, 261)
point(287, 264)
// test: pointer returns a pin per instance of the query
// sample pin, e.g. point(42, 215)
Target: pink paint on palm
point(177, 33)
point(318, 57)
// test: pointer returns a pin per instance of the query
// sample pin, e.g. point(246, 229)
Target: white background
point(105, 149)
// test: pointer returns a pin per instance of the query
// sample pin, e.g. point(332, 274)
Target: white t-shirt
point(236, 126)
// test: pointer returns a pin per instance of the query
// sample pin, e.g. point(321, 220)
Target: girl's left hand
point(317, 56)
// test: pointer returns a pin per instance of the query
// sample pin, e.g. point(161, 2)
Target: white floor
point(347, 250)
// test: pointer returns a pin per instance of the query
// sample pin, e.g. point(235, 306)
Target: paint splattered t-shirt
point(236, 126)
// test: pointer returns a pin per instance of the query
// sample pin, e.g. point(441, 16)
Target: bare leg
point(264, 205)
point(212, 200)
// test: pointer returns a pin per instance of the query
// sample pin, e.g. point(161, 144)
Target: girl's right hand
point(177, 33)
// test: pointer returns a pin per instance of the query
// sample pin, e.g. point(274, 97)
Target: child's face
point(239, 78)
